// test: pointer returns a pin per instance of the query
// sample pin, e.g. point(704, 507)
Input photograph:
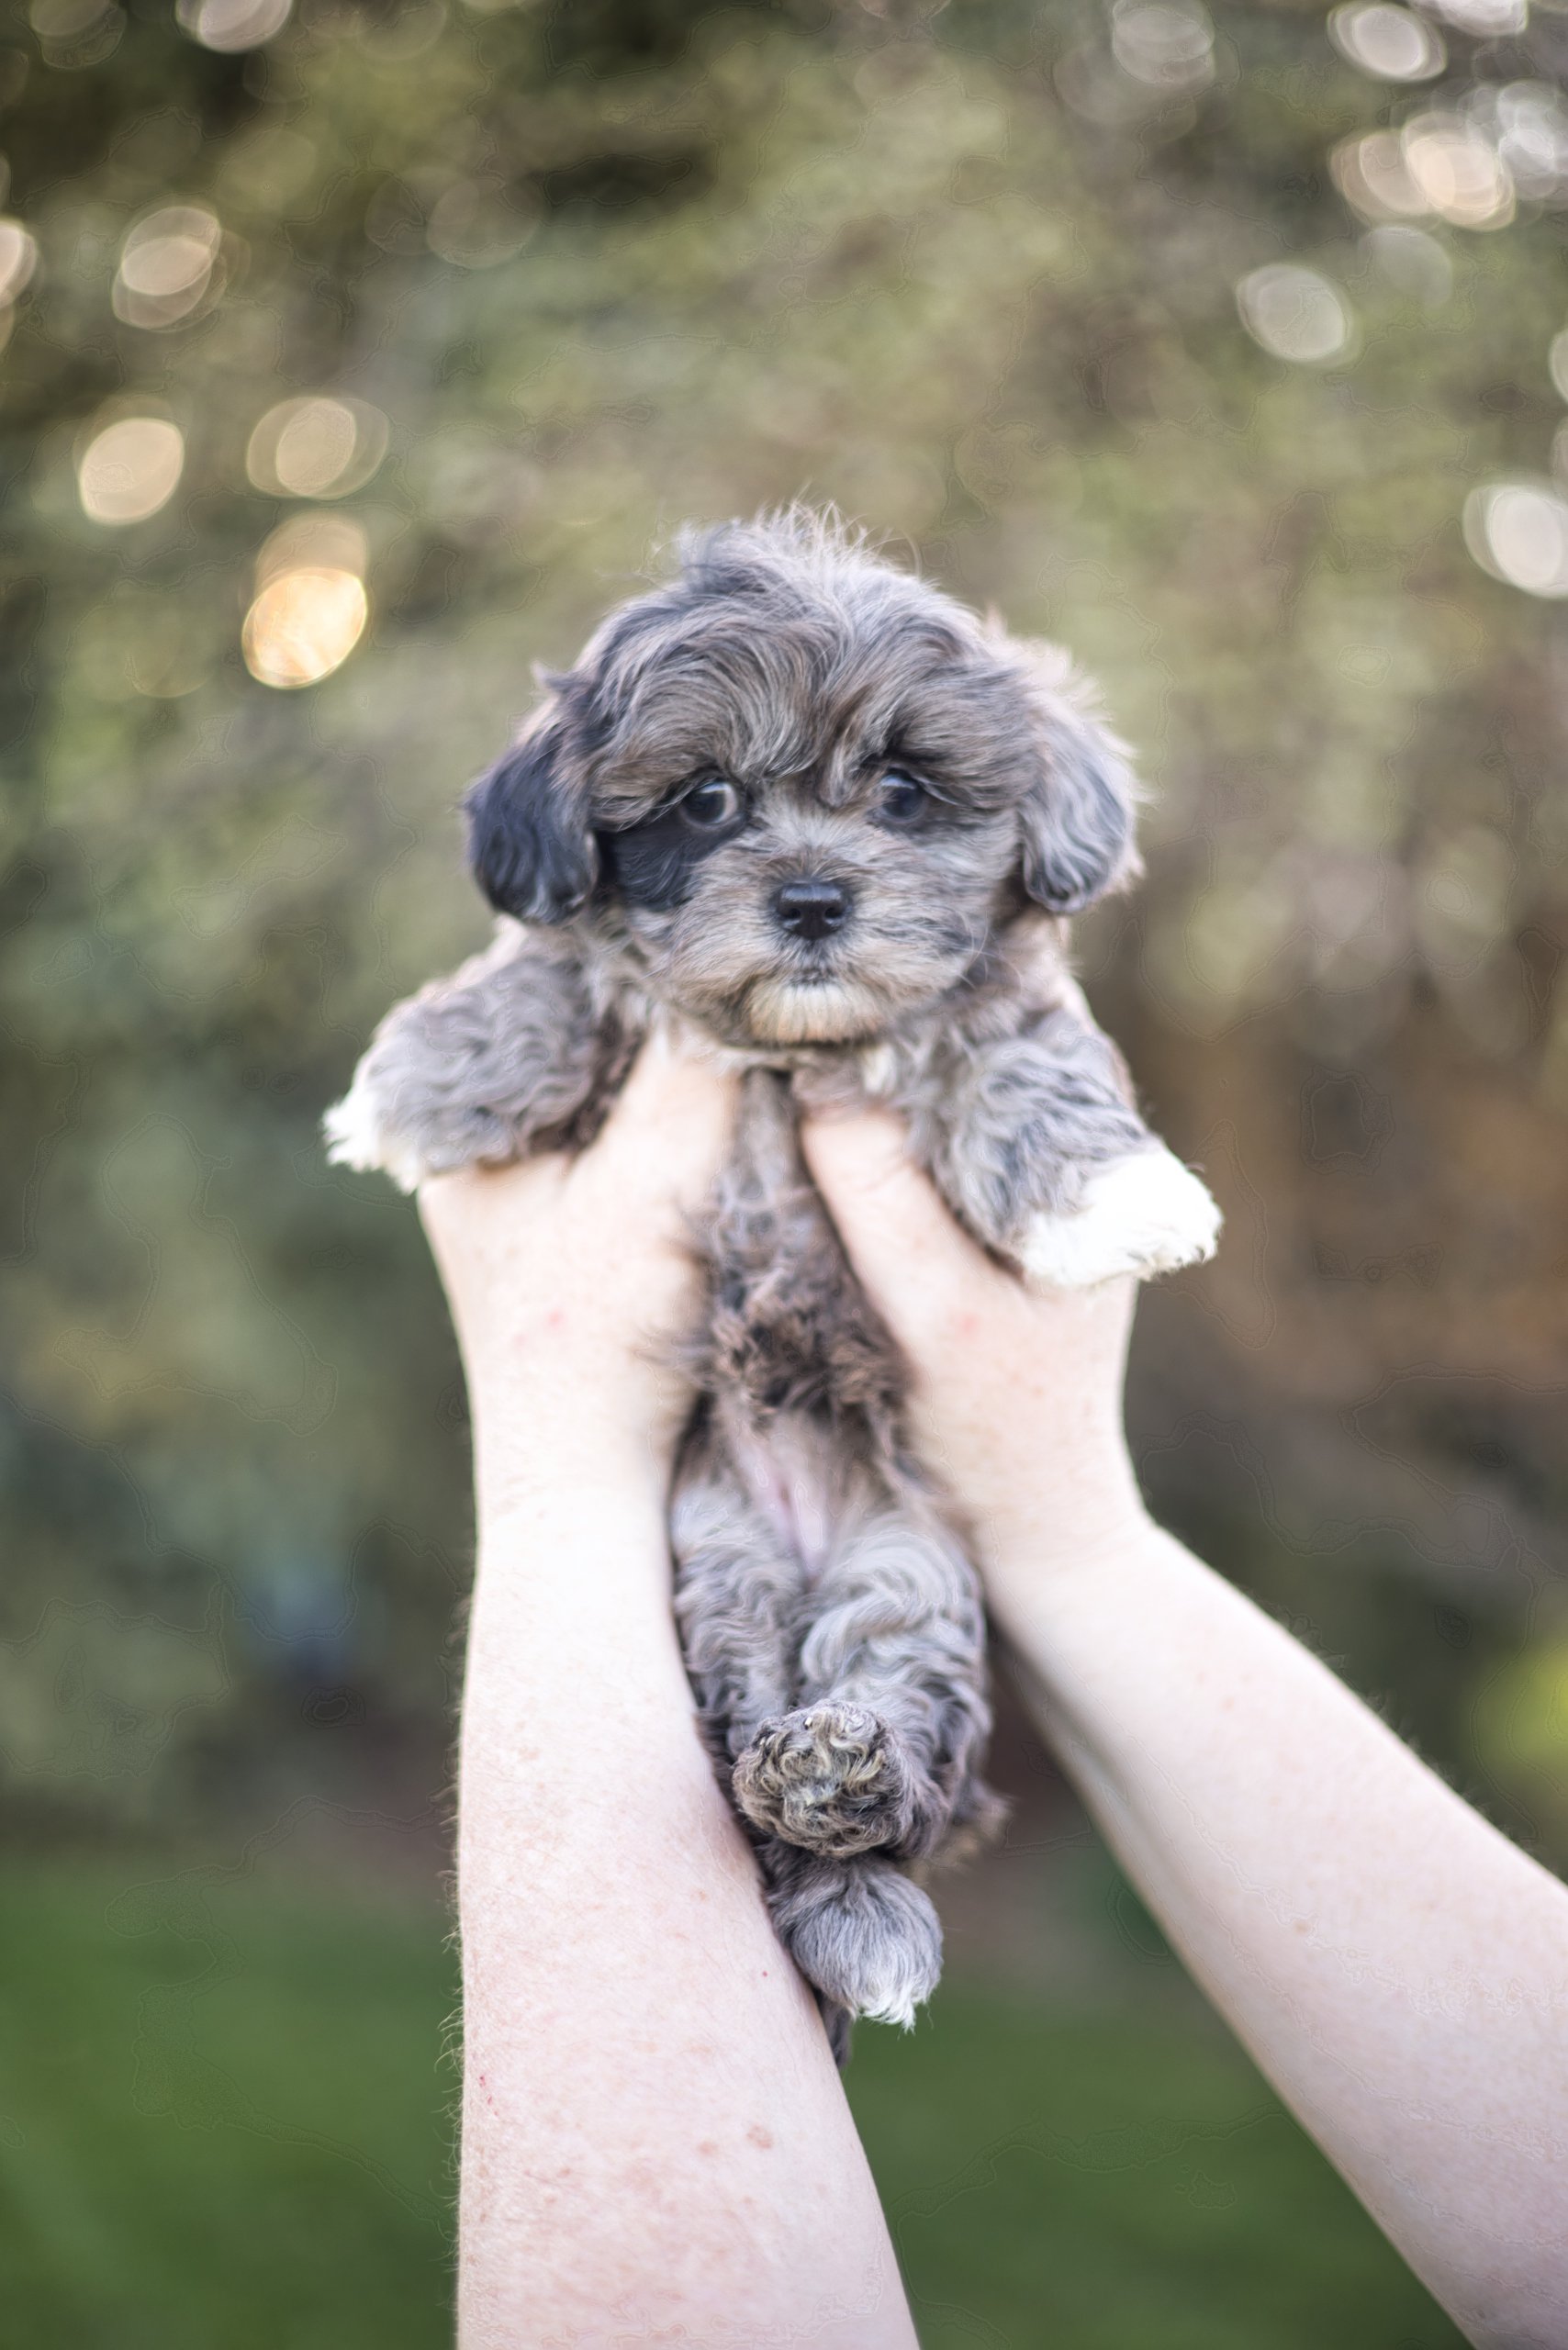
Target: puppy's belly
point(796, 1486)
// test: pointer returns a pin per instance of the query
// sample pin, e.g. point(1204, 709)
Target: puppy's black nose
point(811, 908)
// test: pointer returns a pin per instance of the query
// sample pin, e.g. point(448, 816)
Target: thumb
point(669, 1127)
point(910, 1254)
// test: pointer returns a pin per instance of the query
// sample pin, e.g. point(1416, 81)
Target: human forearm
point(653, 2129)
point(1341, 1903)
point(655, 2139)
point(1398, 1969)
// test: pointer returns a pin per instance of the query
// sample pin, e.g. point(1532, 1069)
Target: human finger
point(669, 1126)
point(908, 1249)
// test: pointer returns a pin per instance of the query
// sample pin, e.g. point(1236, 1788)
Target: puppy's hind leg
point(880, 1752)
point(736, 1591)
point(867, 1941)
point(866, 1938)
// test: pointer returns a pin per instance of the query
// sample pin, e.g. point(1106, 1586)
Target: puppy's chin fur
point(829, 1011)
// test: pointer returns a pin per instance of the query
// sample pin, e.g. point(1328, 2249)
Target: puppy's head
point(811, 787)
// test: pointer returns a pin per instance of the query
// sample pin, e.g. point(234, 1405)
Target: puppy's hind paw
point(830, 1778)
point(861, 1932)
point(1143, 1214)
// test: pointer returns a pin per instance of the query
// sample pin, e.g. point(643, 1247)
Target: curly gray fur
point(811, 806)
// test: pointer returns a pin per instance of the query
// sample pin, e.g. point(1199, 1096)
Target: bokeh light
point(1526, 123)
point(1488, 19)
point(234, 24)
point(166, 264)
point(312, 543)
point(1393, 43)
point(1169, 44)
point(303, 626)
point(1296, 314)
point(322, 446)
point(1372, 176)
point(1413, 263)
point(131, 468)
point(311, 608)
point(478, 223)
point(1518, 531)
point(75, 33)
point(1557, 361)
point(18, 260)
point(1458, 172)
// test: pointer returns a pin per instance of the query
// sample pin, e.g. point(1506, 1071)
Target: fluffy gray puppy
point(805, 805)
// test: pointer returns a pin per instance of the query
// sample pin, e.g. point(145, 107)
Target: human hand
point(569, 1279)
point(1016, 1401)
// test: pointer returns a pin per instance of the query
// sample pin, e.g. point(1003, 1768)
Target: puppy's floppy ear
point(529, 841)
point(1078, 817)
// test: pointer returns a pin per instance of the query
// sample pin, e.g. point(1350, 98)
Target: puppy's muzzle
point(811, 908)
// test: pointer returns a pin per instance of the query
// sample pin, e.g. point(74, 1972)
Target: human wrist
point(536, 1450)
point(543, 1524)
point(1050, 1528)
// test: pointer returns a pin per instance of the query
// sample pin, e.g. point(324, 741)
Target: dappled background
point(354, 358)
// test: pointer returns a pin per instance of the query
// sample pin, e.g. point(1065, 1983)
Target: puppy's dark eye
point(712, 805)
point(902, 801)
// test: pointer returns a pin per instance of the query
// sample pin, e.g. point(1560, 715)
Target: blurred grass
point(223, 2117)
point(225, 2125)
point(1115, 2183)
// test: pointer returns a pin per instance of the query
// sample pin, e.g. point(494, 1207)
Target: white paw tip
point(355, 1138)
point(894, 1997)
point(1145, 1215)
point(892, 2007)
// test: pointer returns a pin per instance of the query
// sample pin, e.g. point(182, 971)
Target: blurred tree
point(356, 355)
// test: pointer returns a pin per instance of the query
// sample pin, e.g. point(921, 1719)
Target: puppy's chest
point(790, 1328)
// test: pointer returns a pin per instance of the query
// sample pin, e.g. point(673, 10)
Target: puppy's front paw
point(358, 1136)
point(1144, 1214)
point(830, 1778)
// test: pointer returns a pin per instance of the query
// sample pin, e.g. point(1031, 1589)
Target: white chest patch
point(878, 1065)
